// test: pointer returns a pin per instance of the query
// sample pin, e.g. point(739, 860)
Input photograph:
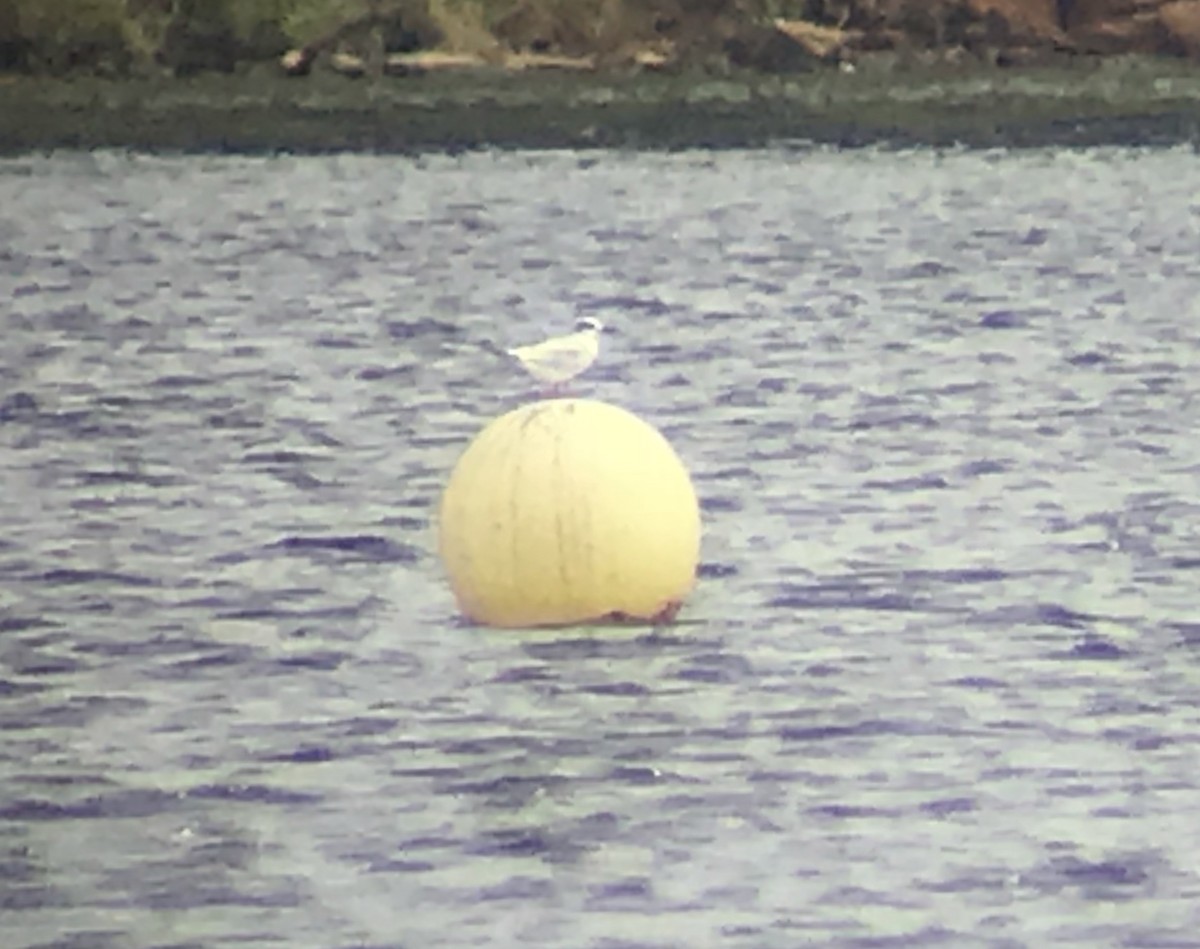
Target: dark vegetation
point(121, 38)
point(182, 37)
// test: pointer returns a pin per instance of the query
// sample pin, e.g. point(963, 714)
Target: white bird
point(561, 358)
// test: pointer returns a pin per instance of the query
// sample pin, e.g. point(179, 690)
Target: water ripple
point(939, 669)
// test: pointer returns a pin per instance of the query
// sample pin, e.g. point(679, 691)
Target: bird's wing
point(561, 357)
point(561, 352)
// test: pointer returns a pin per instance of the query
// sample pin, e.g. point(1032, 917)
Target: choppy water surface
point(939, 684)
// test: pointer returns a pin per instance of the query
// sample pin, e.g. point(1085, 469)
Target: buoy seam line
point(514, 511)
point(559, 527)
point(535, 416)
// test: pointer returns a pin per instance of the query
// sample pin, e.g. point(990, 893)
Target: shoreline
point(1082, 102)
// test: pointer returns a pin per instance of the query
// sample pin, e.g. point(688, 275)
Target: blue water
point(939, 683)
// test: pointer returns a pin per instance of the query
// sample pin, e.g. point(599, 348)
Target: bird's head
point(588, 324)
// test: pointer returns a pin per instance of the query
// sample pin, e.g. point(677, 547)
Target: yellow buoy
point(566, 511)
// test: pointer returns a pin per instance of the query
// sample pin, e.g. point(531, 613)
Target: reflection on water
point(937, 684)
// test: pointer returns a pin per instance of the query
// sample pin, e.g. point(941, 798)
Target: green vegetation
point(138, 37)
point(57, 35)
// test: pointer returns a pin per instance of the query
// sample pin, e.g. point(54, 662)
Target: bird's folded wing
point(561, 354)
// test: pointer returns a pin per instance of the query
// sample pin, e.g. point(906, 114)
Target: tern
point(559, 359)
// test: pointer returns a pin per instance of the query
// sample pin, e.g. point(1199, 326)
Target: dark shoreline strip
point(1132, 102)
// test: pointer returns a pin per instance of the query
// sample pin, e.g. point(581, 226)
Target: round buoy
point(567, 511)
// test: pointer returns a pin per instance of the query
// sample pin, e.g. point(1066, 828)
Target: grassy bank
point(1097, 102)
